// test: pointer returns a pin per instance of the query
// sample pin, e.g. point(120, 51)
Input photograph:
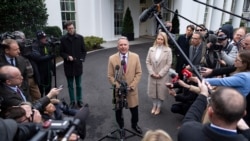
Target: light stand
point(119, 105)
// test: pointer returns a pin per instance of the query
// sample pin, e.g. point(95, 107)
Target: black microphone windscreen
point(144, 15)
point(173, 75)
point(123, 62)
point(82, 115)
point(117, 67)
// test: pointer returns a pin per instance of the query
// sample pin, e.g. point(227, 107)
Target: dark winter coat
point(73, 45)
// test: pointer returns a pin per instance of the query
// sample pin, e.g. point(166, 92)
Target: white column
point(216, 15)
point(238, 11)
point(228, 6)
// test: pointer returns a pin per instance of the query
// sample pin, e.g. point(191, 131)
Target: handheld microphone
point(186, 73)
point(117, 67)
point(174, 77)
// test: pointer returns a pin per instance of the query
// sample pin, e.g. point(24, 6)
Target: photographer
point(42, 55)
point(131, 73)
point(228, 51)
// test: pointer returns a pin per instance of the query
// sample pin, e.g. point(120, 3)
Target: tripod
point(119, 105)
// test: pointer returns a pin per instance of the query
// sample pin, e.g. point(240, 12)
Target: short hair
point(228, 104)
point(157, 135)
point(190, 26)
point(200, 35)
point(15, 113)
point(4, 73)
point(68, 23)
point(7, 42)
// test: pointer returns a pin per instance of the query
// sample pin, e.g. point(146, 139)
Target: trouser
point(180, 108)
point(34, 89)
point(78, 81)
point(44, 89)
point(134, 116)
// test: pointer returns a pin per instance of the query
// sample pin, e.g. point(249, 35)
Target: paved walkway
point(141, 40)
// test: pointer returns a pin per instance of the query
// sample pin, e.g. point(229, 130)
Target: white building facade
point(103, 18)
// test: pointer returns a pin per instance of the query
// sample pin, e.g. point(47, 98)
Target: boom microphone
point(147, 13)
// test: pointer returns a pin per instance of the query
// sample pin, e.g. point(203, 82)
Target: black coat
point(42, 62)
point(202, 132)
point(11, 98)
point(73, 45)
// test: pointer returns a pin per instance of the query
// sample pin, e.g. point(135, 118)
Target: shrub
point(53, 31)
point(93, 42)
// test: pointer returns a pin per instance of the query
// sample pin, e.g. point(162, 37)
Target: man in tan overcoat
point(129, 72)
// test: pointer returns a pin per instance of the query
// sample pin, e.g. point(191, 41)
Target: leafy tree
point(176, 23)
point(25, 15)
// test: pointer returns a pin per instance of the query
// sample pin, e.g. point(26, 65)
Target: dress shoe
point(137, 129)
point(153, 110)
point(80, 104)
point(157, 111)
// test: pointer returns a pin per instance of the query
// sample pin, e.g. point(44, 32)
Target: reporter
point(226, 108)
point(10, 80)
point(241, 79)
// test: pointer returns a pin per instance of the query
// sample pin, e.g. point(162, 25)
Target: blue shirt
point(239, 81)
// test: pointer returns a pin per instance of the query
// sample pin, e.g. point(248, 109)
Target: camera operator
point(130, 73)
point(228, 51)
point(42, 55)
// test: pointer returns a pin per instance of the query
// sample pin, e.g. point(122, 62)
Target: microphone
point(148, 13)
point(186, 73)
point(174, 77)
point(71, 129)
point(117, 67)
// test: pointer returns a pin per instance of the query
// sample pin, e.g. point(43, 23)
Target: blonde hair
point(165, 38)
point(156, 135)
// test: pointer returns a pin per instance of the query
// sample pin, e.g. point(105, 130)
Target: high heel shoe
point(157, 111)
point(153, 110)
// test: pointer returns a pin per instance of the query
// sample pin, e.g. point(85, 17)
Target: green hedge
point(93, 42)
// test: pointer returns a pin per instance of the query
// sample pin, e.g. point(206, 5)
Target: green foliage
point(128, 24)
point(53, 30)
point(92, 42)
point(24, 15)
point(176, 23)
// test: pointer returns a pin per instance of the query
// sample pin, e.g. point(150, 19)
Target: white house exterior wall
point(54, 11)
point(96, 17)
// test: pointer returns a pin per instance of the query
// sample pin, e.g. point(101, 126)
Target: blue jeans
point(78, 81)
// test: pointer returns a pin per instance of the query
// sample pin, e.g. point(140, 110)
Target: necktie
point(124, 66)
point(19, 92)
point(12, 61)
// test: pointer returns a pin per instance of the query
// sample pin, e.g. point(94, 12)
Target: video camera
point(62, 129)
point(53, 41)
point(54, 129)
point(122, 96)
